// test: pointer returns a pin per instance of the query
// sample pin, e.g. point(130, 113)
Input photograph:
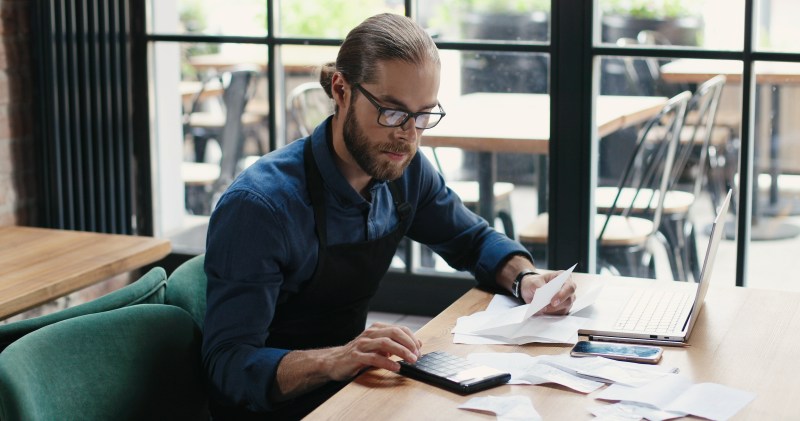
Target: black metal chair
point(625, 242)
point(206, 181)
point(697, 141)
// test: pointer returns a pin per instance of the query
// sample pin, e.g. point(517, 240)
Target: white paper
point(610, 371)
point(675, 393)
point(459, 338)
point(712, 401)
point(545, 294)
point(629, 412)
point(506, 322)
point(525, 369)
point(507, 408)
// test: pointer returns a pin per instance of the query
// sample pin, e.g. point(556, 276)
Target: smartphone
point(635, 353)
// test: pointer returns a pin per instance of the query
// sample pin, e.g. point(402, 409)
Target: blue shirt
point(261, 240)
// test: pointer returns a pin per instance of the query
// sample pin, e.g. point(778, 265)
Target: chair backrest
point(703, 108)
point(133, 363)
point(308, 106)
point(238, 90)
point(186, 288)
point(652, 65)
point(150, 288)
point(651, 162)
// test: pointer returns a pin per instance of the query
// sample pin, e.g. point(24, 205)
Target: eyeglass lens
point(394, 118)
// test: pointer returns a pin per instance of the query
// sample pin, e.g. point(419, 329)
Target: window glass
point(509, 20)
point(776, 208)
point(329, 18)
point(633, 90)
point(221, 85)
point(306, 103)
point(689, 23)
point(776, 25)
point(211, 17)
point(496, 128)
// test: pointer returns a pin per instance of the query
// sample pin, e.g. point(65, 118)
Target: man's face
point(383, 152)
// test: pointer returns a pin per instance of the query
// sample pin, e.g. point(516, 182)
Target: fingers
point(562, 301)
point(402, 335)
point(376, 345)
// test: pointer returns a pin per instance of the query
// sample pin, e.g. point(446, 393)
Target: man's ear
point(340, 90)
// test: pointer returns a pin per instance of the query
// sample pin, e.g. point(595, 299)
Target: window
point(539, 70)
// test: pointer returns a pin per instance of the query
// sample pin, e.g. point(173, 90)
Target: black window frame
point(572, 54)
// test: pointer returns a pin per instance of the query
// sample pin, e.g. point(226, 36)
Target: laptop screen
point(708, 263)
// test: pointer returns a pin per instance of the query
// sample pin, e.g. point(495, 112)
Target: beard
point(369, 155)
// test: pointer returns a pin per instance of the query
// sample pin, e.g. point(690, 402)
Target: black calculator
point(453, 373)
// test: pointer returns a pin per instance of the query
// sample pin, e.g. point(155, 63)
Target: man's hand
point(560, 303)
point(302, 371)
point(372, 348)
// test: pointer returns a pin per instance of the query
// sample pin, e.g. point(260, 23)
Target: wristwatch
point(515, 287)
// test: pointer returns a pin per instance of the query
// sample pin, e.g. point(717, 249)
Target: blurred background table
point(489, 123)
point(769, 75)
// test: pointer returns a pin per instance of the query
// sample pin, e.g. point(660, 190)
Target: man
point(299, 242)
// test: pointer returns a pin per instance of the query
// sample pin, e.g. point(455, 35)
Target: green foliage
point(449, 13)
point(501, 6)
point(650, 9)
point(328, 19)
point(192, 16)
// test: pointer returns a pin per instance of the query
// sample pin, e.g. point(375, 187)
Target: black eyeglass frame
point(408, 115)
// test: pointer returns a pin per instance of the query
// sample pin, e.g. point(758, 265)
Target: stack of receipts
point(671, 397)
point(644, 391)
point(506, 322)
point(583, 375)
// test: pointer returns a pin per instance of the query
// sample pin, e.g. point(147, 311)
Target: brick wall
point(18, 155)
point(17, 148)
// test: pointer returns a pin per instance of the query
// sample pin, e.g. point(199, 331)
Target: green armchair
point(138, 362)
point(150, 288)
point(186, 288)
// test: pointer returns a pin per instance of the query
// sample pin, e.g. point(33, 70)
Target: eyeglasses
point(389, 117)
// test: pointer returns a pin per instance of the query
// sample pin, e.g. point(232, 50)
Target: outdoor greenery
point(193, 18)
point(500, 6)
point(651, 9)
point(327, 19)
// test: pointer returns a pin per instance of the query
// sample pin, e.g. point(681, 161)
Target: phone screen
point(639, 353)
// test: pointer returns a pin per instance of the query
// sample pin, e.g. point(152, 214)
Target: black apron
point(331, 309)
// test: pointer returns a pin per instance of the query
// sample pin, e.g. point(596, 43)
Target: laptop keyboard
point(657, 311)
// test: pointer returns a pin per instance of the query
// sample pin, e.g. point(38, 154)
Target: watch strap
point(515, 287)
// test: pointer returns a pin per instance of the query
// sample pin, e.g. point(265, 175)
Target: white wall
point(165, 119)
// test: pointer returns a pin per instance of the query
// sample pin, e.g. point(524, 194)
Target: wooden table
point(767, 74)
point(520, 123)
point(744, 338)
point(700, 70)
point(38, 265)
point(294, 58)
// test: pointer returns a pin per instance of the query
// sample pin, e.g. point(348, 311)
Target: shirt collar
point(322, 148)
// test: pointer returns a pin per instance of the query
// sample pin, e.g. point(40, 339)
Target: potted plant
point(678, 21)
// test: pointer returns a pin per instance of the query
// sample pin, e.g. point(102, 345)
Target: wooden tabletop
point(745, 338)
point(699, 71)
point(520, 123)
point(38, 265)
point(295, 58)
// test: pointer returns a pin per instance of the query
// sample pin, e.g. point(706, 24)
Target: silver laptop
point(657, 313)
